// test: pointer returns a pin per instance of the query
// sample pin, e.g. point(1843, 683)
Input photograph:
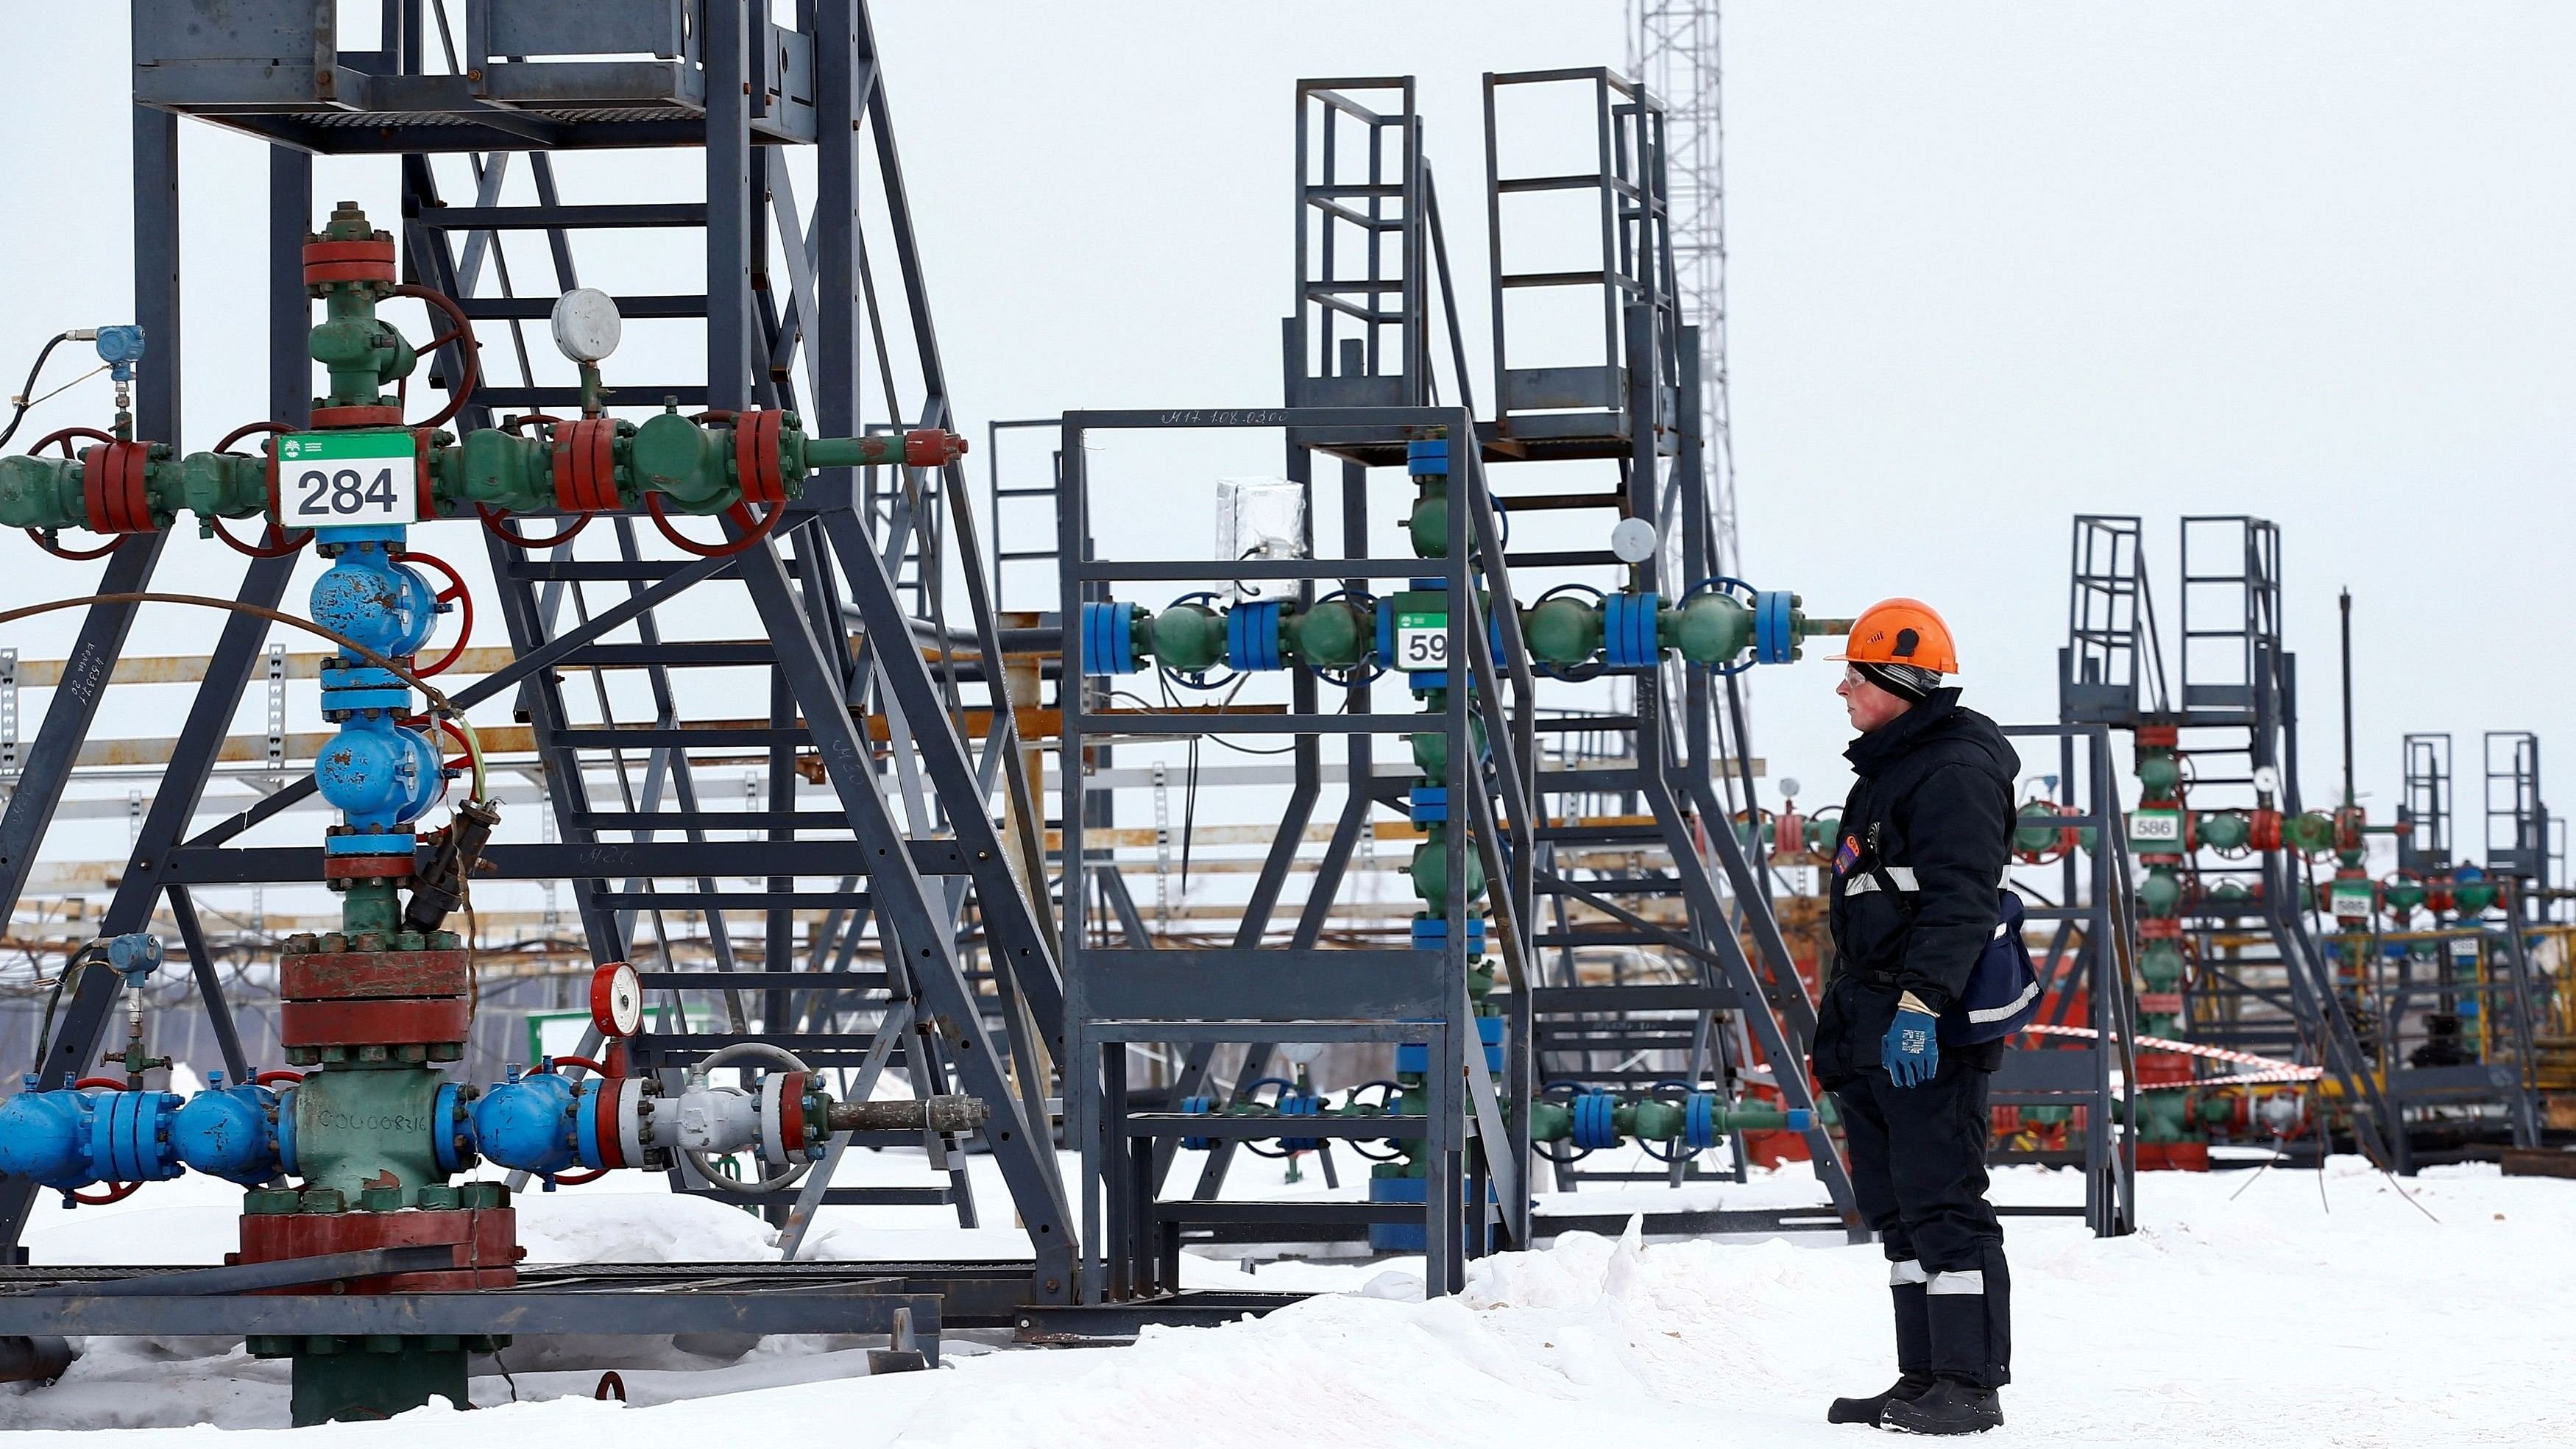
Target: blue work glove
point(1911, 1050)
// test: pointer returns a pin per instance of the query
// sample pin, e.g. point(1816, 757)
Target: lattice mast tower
point(1673, 51)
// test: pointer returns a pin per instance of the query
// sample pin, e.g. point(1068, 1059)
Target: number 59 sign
point(339, 480)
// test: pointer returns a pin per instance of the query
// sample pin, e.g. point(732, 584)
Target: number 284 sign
point(340, 480)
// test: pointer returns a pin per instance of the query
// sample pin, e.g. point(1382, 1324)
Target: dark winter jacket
point(1933, 807)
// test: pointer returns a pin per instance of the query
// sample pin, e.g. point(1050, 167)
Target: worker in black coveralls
point(1921, 849)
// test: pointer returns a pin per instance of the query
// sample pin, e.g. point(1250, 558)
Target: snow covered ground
point(2286, 1309)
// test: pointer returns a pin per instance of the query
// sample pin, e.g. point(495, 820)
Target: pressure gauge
point(2267, 780)
point(586, 324)
point(617, 1000)
point(1789, 789)
point(1633, 540)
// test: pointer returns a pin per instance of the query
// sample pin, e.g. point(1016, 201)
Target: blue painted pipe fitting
point(228, 1132)
point(525, 1124)
point(377, 600)
point(452, 1122)
point(1699, 1121)
point(286, 1162)
point(45, 1136)
point(1109, 638)
point(70, 1138)
point(1252, 636)
point(1595, 1123)
point(130, 1137)
point(1198, 1107)
point(379, 773)
point(1300, 1104)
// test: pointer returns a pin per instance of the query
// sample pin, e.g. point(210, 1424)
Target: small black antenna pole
point(2348, 796)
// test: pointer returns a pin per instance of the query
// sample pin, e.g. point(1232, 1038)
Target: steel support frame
point(2107, 915)
point(2112, 673)
point(813, 683)
point(1255, 996)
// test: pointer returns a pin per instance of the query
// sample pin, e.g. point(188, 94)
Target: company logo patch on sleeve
point(1847, 855)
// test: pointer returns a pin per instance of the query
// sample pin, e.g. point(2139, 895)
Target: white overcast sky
point(1992, 265)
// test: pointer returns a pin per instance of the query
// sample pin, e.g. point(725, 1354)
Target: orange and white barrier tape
point(2266, 1069)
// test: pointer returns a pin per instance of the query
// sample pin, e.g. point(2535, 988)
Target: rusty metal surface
point(323, 976)
point(372, 1023)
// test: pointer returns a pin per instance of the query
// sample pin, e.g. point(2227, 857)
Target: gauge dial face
point(586, 324)
point(617, 1000)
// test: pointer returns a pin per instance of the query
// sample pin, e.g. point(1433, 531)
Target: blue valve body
point(230, 1132)
point(527, 1123)
point(379, 773)
point(70, 1138)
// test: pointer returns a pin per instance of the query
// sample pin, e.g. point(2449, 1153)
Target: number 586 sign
point(337, 480)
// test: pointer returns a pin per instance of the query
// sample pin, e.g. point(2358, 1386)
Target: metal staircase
point(920, 953)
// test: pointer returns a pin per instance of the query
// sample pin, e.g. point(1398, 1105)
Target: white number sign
point(339, 480)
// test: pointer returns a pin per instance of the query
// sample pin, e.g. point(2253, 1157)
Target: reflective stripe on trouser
point(1972, 1326)
point(1905, 1290)
point(1918, 1165)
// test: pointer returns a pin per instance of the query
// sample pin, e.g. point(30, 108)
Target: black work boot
point(1950, 1406)
point(1905, 1283)
point(1870, 1410)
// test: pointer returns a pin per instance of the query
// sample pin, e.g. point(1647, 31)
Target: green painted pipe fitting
point(1707, 629)
point(354, 1124)
point(1335, 634)
point(690, 465)
point(2159, 774)
point(1550, 1120)
point(1431, 873)
point(1428, 524)
point(2160, 966)
point(2160, 894)
point(1431, 747)
point(2308, 833)
point(1562, 631)
point(362, 353)
point(1650, 1118)
point(2164, 1117)
point(2223, 829)
point(41, 493)
point(1186, 637)
point(499, 470)
point(216, 485)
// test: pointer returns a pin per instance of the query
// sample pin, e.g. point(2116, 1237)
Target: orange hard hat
point(1901, 631)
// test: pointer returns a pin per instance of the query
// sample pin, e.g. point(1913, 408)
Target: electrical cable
point(21, 400)
point(437, 701)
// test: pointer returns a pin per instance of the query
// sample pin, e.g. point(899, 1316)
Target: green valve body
point(2309, 833)
point(2160, 894)
point(1562, 631)
point(1708, 629)
point(2159, 772)
point(1186, 637)
point(1431, 874)
point(2223, 829)
point(1428, 525)
point(357, 1124)
point(1335, 634)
